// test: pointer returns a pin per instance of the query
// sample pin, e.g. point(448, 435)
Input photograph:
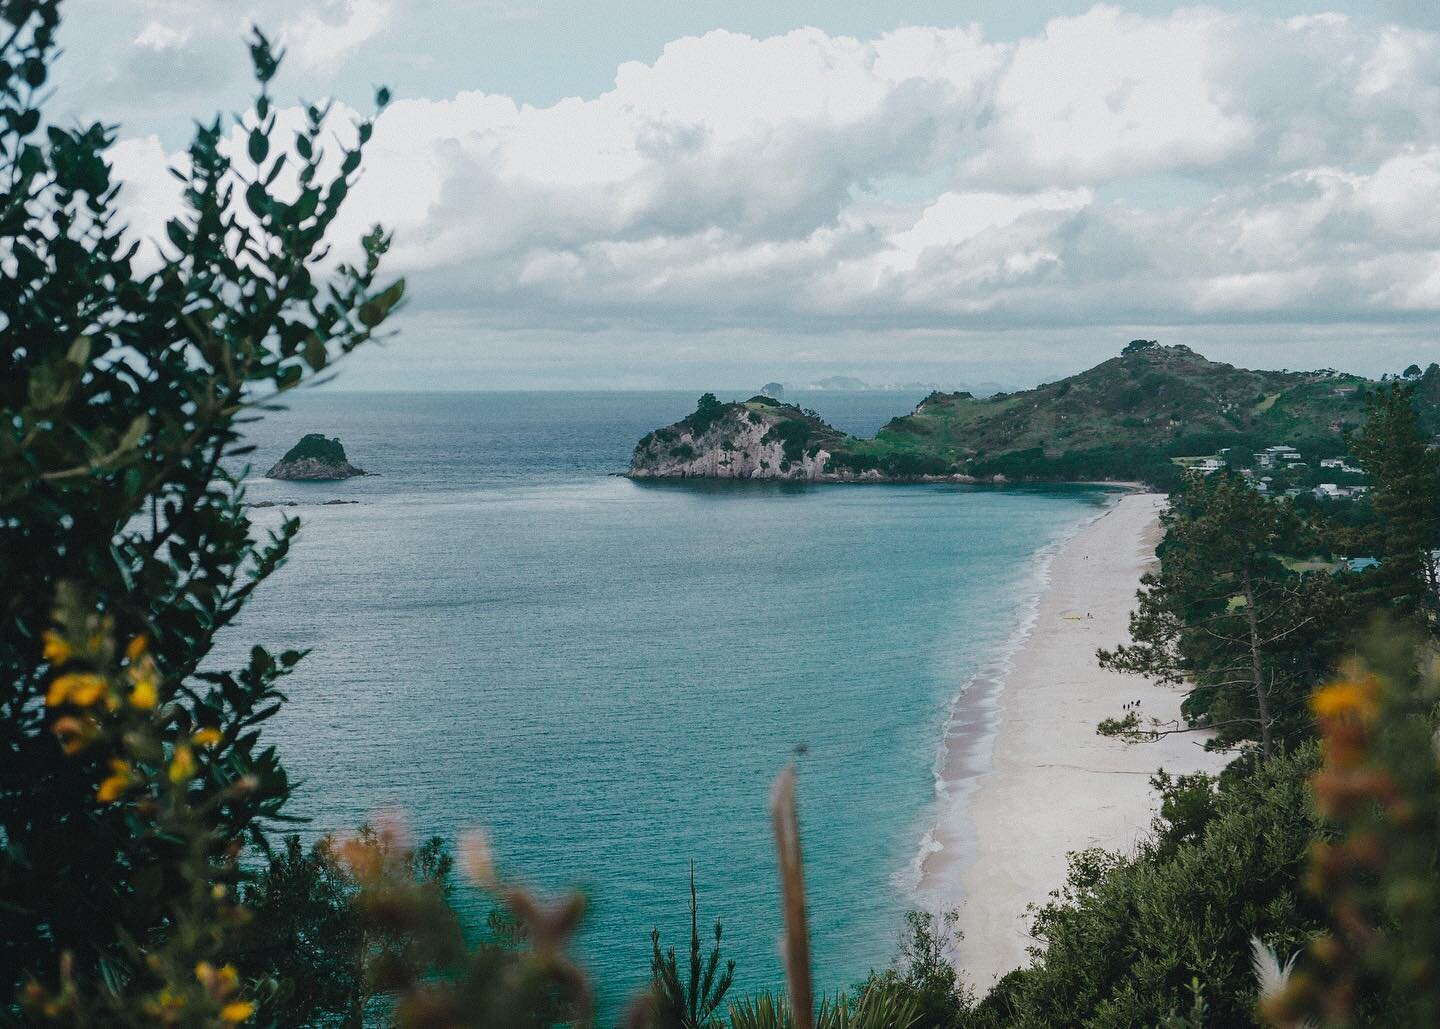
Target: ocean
point(605, 676)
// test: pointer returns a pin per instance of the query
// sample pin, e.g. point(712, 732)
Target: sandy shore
point(1025, 777)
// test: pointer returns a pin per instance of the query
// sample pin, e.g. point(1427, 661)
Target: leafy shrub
point(1121, 942)
point(792, 434)
point(314, 446)
point(121, 404)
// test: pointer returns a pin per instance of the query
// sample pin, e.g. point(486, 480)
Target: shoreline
point(1022, 777)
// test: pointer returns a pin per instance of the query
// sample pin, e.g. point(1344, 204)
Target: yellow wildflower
point(237, 1011)
point(228, 979)
point(206, 737)
point(79, 688)
point(57, 651)
point(182, 765)
point(1359, 698)
point(171, 1000)
point(144, 696)
point(136, 647)
point(115, 784)
point(204, 972)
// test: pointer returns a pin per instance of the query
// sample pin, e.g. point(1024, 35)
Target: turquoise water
point(606, 676)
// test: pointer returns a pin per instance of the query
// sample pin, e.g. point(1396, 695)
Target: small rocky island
point(314, 459)
point(761, 438)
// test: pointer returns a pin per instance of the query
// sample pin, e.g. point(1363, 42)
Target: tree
point(303, 935)
point(707, 412)
point(1405, 534)
point(1124, 940)
point(129, 779)
point(1226, 618)
point(694, 1002)
point(922, 976)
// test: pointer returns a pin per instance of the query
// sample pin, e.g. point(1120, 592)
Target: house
point(1327, 491)
point(1208, 466)
point(1277, 457)
point(1339, 464)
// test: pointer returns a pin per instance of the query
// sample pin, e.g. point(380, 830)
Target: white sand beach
point(1028, 779)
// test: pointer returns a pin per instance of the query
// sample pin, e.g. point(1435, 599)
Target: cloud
point(321, 39)
point(158, 36)
point(741, 182)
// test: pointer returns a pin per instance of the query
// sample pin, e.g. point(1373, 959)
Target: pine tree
point(1405, 535)
point(693, 1003)
point(1227, 618)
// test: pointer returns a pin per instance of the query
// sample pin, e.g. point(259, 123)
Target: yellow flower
point(57, 651)
point(237, 1011)
point(170, 999)
point(1359, 698)
point(136, 647)
point(204, 972)
point(79, 688)
point(182, 765)
point(115, 784)
point(229, 978)
point(206, 738)
point(144, 696)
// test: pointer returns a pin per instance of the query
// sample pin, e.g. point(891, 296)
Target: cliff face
point(759, 439)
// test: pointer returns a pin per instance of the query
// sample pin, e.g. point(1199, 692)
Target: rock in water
point(315, 458)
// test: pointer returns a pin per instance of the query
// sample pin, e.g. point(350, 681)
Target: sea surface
point(605, 676)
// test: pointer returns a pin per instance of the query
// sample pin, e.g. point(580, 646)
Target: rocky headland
point(1143, 416)
point(314, 459)
point(763, 438)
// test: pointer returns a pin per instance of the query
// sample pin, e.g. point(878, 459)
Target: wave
point(963, 755)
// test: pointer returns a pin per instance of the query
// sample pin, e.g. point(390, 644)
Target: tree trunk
point(1262, 695)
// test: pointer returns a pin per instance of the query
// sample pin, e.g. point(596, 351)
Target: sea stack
point(314, 458)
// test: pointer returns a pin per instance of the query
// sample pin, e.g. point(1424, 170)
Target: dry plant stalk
point(795, 944)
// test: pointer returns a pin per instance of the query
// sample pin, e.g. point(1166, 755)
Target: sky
point(715, 195)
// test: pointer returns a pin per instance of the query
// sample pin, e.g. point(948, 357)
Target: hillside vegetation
point(1126, 418)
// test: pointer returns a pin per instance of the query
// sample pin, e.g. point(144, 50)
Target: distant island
point(314, 458)
point(851, 384)
point(1144, 416)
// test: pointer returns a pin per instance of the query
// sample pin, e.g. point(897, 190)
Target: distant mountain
point(849, 383)
point(1126, 418)
point(839, 382)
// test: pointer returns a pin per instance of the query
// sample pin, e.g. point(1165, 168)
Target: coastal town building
point(1278, 457)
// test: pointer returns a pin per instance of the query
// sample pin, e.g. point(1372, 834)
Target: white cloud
point(158, 36)
point(321, 39)
point(743, 182)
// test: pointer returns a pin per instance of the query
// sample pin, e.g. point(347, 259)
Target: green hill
point(1126, 418)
